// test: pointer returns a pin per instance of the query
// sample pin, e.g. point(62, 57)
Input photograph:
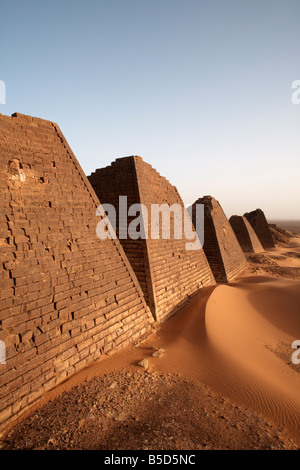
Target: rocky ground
point(262, 264)
point(136, 409)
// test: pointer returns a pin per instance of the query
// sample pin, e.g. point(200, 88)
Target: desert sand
point(221, 376)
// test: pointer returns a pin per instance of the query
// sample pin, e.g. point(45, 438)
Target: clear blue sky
point(201, 89)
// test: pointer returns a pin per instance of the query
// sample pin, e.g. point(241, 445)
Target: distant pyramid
point(222, 249)
point(260, 225)
point(245, 234)
point(66, 297)
point(167, 272)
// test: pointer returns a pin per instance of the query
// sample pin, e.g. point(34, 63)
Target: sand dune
point(241, 325)
point(238, 338)
point(228, 345)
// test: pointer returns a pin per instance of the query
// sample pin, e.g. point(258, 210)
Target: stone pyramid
point(245, 234)
point(66, 297)
point(261, 227)
point(222, 249)
point(168, 273)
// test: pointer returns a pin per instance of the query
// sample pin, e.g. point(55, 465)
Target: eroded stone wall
point(245, 234)
point(221, 246)
point(169, 274)
point(66, 297)
point(259, 223)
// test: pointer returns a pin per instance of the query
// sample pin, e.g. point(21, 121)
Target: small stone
point(81, 422)
point(51, 441)
point(121, 417)
point(144, 363)
point(113, 385)
point(157, 354)
point(91, 417)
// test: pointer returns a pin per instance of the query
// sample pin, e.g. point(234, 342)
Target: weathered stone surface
point(158, 353)
point(260, 225)
point(144, 364)
point(66, 296)
point(221, 246)
point(168, 273)
point(245, 234)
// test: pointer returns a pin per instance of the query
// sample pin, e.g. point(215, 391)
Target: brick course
point(168, 273)
point(259, 223)
point(221, 246)
point(245, 234)
point(66, 297)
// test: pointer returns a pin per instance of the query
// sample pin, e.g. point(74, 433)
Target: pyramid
point(245, 234)
point(66, 297)
point(221, 246)
point(259, 223)
point(168, 273)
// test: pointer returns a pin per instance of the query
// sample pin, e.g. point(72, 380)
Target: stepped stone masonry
point(66, 297)
point(259, 223)
point(221, 246)
point(168, 273)
point(245, 234)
